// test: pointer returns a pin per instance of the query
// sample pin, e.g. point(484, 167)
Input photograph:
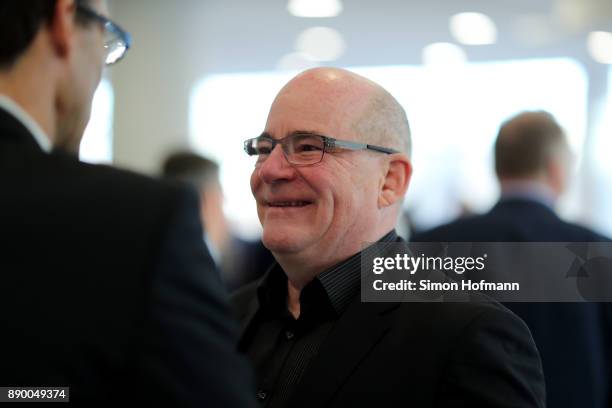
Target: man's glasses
point(116, 42)
point(304, 149)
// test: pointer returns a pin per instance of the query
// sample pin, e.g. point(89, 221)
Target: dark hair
point(192, 169)
point(526, 143)
point(20, 21)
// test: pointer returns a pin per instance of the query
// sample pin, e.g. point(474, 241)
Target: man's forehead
point(285, 119)
point(320, 109)
point(328, 101)
point(327, 88)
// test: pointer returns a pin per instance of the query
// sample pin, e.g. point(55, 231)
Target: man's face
point(322, 208)
point(85, 71)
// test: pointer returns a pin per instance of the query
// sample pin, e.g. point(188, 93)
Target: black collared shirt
point(279, 346)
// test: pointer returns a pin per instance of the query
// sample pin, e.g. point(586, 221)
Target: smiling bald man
point(332, 169)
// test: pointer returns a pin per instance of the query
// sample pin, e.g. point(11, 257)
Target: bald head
point(367, 111)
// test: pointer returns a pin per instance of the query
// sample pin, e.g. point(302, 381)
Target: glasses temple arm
point(358, 146)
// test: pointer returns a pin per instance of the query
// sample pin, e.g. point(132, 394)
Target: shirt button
point(261, 395)
point(289, 334)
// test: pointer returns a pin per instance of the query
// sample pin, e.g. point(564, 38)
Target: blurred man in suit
point(240, 261)
point(106, 286)
point(332, 168)
point(532, 159)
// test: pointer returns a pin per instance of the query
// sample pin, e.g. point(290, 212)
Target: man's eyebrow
point(305, 132)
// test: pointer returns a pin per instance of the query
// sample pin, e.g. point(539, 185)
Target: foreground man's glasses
point(116, 42)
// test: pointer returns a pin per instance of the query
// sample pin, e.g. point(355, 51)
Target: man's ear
point(62, 27)
point(395, 182)
point(556, 174)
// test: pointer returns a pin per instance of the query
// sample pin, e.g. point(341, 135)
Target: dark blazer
point(574, 339)
point(245, 262)
point(106, 286)
point(470, 354)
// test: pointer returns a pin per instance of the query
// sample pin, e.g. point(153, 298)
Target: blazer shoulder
point(452, 231)
point(581, 233)
point(455, 315)
point(488, 353)
point(494, 361)
point(110, 177)
point(112, 201)
point(126, 190)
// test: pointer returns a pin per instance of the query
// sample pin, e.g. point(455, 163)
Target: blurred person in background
point(106, 286)
point(332, 169)
point(240, 261)
point(532, 162)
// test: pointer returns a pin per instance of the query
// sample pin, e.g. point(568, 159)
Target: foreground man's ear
point(62, 27)
point(396, 180)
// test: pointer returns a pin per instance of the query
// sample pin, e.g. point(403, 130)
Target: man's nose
point(276, 167)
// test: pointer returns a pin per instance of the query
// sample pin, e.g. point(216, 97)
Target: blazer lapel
point(355, 334)
point(248, 317)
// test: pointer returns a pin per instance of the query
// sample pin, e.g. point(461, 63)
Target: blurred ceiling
point(246, 35)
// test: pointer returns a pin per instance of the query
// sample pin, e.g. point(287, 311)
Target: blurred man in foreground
point(106, 286)
point(532, 160)
point(331, 173)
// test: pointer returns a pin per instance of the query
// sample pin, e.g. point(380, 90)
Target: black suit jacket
point(574, 339)
point(245, 262)
point(452, 354)
point(106, 286)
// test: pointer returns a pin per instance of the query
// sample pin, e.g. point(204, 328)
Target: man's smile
point(284, 204)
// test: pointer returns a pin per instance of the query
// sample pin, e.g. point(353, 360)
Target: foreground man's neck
point(35, 113)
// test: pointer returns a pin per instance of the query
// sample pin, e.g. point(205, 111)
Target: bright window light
point(599, 44)
point(454, 114)
point(315, 8)
point(536, 29)
point(97, 143)
point(473, 29)
point(602, 165)
point(296, 61)
point(603, 142)
point(442, 54)
point(321, 43)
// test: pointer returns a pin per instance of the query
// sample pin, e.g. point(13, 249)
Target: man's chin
point(281, 241)
point(280, 247)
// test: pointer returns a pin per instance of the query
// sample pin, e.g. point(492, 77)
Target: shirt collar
point(338, 284)
point(27, 121)
point(343, 281)
point(528, 190)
